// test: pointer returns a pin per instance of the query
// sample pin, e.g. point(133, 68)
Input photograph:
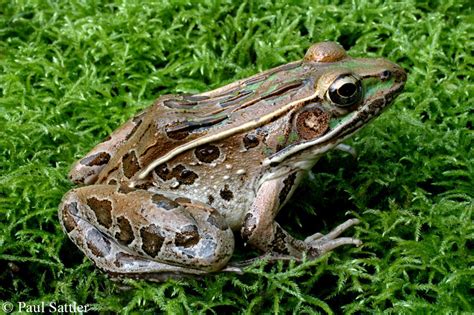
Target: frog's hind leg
point(320, 243)
point(140, 234)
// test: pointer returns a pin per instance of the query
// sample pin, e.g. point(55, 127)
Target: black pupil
point(386, 75)
point(347, 89)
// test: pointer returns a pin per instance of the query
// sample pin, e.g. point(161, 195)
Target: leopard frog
point(166, 192)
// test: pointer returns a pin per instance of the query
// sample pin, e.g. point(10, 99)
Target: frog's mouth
point(343, 127)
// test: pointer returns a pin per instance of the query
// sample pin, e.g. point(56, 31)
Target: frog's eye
point(346, 90)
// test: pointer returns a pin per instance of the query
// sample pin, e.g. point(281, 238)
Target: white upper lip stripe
point(280, 156)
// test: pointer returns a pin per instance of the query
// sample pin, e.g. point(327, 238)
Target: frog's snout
point(393, 71)
point(399, 78)
point(399, 74)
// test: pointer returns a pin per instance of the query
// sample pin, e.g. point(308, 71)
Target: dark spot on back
point(96, 159)
point(164, 202)
point(187, 177)
point(207, 153)
point(125, 234)
point(226, 194)
point(181, 129)
point(287, 185)
point(112, 182)
point(163, 172)
point(250, 141)
point(152, 239)
point(183, 175)
point(177, 135)
point(210, 199)
point(98, 243)
point(102, 210)
point(130, 164)
point(188, 236)
point(69, 210)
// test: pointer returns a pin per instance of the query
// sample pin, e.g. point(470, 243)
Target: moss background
point(73, 71)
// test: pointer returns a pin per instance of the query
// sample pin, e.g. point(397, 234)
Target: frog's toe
point(347, 148)
point(322, 246)
point(334, 233)
point(313, 237)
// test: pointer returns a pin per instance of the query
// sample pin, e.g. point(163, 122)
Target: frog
point(168, 192)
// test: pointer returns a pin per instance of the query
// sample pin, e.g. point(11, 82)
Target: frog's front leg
point(261, 231)
point(143, 234)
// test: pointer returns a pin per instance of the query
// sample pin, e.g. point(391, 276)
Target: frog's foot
point(315, 245)
point(318, 244)
point(347, 148)
point(140, 234)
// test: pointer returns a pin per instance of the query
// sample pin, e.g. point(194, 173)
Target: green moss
point(73, 71)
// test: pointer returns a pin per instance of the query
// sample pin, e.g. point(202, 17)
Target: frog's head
point(348, 93)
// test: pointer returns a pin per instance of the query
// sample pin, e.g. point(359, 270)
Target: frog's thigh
point(111, 225)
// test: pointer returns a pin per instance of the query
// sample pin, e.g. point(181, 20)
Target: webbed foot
point(319, 244)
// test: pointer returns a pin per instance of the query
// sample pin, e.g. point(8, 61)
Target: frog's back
point(176, 122)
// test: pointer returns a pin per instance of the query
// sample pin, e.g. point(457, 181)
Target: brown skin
point(169, 188)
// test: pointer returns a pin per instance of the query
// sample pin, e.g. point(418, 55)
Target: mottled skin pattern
point(165, 193)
